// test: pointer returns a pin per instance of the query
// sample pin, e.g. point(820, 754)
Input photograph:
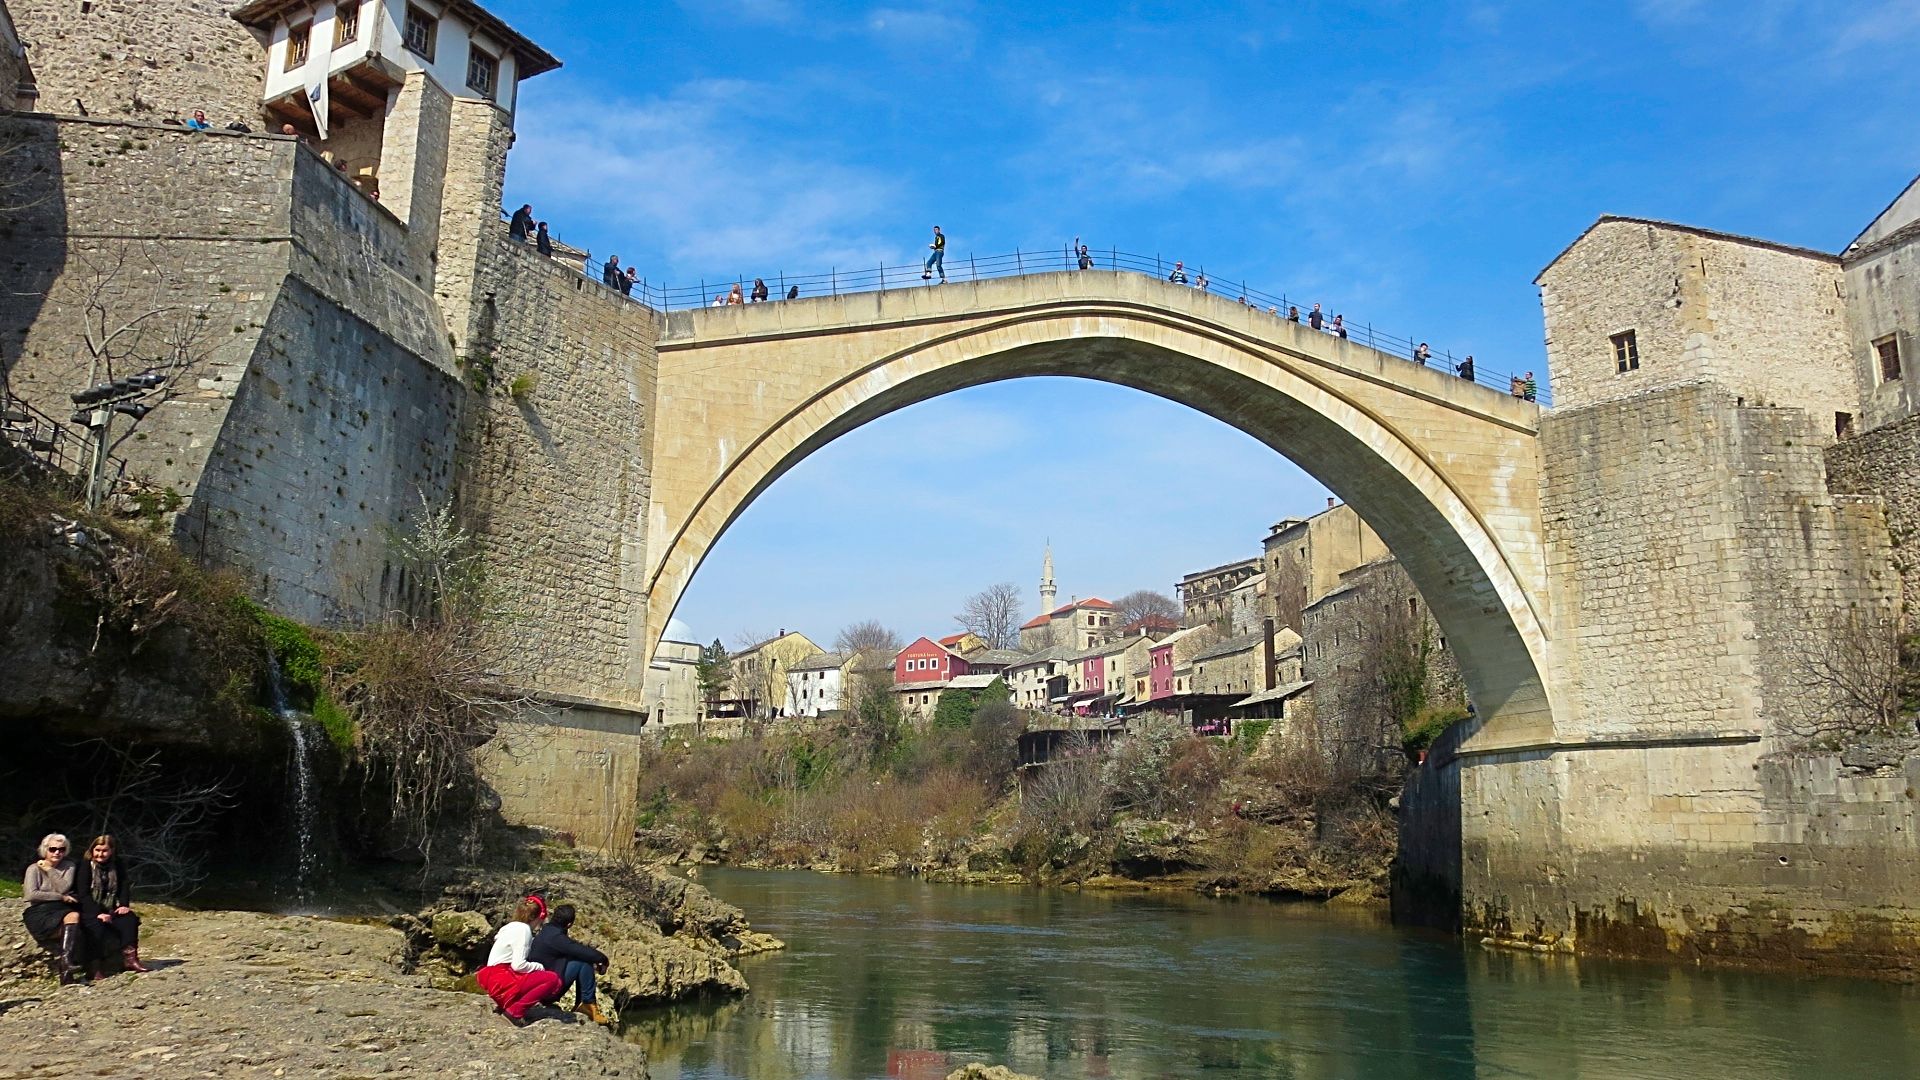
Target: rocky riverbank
point(1277, 860)
point(237, 993)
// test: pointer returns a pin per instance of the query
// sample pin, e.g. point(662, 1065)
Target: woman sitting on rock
point(514, 982)
point(105, 891)
point(53, 907)
point(575, 961)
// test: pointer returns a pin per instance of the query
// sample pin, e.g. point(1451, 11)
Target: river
point(891, 977)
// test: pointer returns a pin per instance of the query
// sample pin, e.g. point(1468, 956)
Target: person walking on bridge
point(1464, 368)
point(937, 259)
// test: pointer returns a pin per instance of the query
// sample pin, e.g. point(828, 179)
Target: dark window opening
point(1888, 349)
point(419, 32)
point(483, 71)
point(1842, 424)
point(1626, 352)
point(346, 23)
point(299, 39)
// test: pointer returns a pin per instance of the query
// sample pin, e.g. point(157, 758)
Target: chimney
point(1266, 656)
point(1329, 502)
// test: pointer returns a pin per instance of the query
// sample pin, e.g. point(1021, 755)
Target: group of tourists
point(535, 962)
point(80, 909)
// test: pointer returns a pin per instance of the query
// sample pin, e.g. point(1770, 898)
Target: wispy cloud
point(701, 175)
point(943, 33)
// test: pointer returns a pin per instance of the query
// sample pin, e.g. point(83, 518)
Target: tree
point(714, 670)
point(867, 635)
point(1865, 676)
point(1141, 603)
point(137, 330)
point(994, 614)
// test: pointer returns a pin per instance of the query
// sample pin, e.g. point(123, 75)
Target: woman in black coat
point(105, 897)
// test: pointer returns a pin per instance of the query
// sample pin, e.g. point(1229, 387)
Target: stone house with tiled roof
point(1081, 624)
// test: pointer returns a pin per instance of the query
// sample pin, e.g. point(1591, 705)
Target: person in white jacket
point(514, 982)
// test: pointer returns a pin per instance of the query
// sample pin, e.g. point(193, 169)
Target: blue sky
point(1409, 164)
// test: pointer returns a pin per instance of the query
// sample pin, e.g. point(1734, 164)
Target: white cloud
point(713, 175)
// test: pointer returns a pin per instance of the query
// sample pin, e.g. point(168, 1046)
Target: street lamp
point(98, 404)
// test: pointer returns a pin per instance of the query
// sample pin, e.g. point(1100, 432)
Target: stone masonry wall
point(1885, 463)
point(1792, 860)
point(319, 407)
point(1684, 599)
point(559, 475)
point(143, 58)
point(334, 441)
point(1766, 323)
point(1696, 560)
point(202, 257)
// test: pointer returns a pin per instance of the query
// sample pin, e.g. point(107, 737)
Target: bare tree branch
point(994, 614)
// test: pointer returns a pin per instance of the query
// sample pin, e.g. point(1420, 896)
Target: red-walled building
point(927, 661)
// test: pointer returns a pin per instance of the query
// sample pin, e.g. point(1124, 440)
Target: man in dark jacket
point(576, 963)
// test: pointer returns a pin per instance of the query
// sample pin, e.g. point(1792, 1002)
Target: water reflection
point(894, 978)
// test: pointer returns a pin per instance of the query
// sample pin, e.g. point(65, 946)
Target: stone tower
point(1047, 591)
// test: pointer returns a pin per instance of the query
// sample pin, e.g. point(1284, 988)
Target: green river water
point(891, 977)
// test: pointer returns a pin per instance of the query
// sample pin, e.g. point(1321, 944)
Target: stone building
point(1373, 619)
point(760, 672)
point(1081, 624)
point(673, 679)
point(1634, 305)
point(1039, 681)
point(1223, 596)
point(1882, 269)
point(1304, 558)
point(1234, 673)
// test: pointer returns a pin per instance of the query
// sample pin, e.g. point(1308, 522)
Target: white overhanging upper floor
point(365, 48)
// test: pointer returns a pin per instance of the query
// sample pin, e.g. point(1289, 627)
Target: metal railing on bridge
point(837, 281)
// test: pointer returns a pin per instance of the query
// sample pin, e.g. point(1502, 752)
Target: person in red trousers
point(513, 982)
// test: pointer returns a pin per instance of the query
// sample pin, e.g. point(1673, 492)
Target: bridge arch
point(1444, 471)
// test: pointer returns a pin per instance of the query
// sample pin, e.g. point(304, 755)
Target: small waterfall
point(305, 809)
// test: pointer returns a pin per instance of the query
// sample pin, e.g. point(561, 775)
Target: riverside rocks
point(242, 994)
point(974, 1070)
point(666, 939)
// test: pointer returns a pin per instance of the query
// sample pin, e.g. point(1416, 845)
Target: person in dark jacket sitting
point(105, 895)
point(577, 963)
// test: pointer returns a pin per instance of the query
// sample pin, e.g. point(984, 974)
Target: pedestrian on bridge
point(1340, 326)
point(1314, 318)
point(1464, 368)
point(937, 259)
point(1179, 275)
point(1529, 390)
point(1421, 353)
point(610, 274)
point(1086, 257)
point(1293, 313)
point(759, 291)
point(522, 223)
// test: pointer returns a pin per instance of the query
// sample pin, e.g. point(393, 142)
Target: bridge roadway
point(1446, 471)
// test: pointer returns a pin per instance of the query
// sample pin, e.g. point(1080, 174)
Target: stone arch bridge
point(1445, 471)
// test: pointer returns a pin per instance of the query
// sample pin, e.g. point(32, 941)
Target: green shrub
point(334, 720)
point(522, 385)
point(1428, 725)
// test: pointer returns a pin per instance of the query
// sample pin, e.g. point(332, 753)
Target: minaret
point(1047, 592)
